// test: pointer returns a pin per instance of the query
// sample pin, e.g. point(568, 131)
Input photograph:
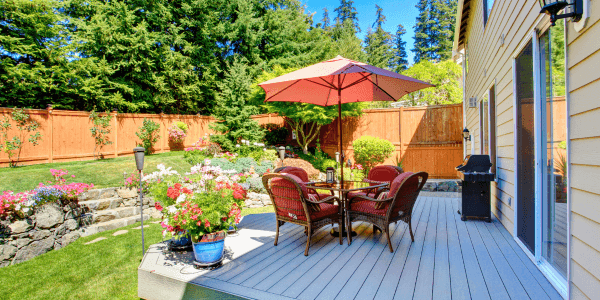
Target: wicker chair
point(293, 204)
point(395, 205)
point(301, 173)
point(379, 175)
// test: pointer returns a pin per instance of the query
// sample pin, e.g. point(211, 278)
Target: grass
point(104, 270)
point(102, 173)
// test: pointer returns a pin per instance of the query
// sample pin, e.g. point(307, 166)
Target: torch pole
point(142, 212)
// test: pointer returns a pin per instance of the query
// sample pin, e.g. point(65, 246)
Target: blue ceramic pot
point(181, 240)
point(210, 250)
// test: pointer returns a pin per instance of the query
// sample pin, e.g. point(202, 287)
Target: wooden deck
point(449, 259)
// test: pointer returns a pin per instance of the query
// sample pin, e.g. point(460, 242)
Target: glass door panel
point(554, 154)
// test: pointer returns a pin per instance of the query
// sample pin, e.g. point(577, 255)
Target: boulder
point(34, 249)
point(127, 193)
point(7, 251)
point(443, 187)
point(69, 238)
point(23, 242)
point(71, 224)
point(21, 226)
point(49, 215)
point(107, 193)
point(39, 234)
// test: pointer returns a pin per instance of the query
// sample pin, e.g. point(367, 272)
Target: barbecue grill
point(476, 177)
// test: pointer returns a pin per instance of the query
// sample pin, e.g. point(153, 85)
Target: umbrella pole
point(341, 136)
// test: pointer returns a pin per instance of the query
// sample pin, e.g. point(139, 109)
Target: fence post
point(163, 130)
point(50, 134)
point(400, 132)
point(116, 136)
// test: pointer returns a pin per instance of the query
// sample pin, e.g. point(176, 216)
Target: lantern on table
point(330, 172)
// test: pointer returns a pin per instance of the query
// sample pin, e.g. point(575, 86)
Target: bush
point(370, 151)
point(320, 160)
point(148, 133)
point(195, 157)
point(256, 185)
point(274, 134)
point(25, 125)
point(244, 164)
point(181, 126)
point(100, 131)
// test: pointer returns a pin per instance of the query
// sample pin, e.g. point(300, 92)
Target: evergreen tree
point(232, 113)
point(434, 31)
point(378, 43)
point(422, 32)
point(325, 21)
point(399, 61)
point(346, 11)
point(346, 43)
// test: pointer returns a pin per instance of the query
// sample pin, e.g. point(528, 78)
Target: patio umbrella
point(337, 81)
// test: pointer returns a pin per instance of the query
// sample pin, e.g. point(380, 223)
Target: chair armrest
point(362, 197)
point(326, 199)
point(381, 190)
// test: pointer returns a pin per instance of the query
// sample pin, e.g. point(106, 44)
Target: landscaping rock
point(40, 234)
point(21, 226)
point(120, 232)
point(95, 240)
point(69, 238)
point(127, 193)
point(140, 227)
point(107, 193)
point(90, 195)
point(443, 187)
point(34, 249)
point(71, 224)
point(7, 252)
point(49, 215)
point(23, 242)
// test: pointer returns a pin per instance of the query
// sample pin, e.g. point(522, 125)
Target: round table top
point(348, 186)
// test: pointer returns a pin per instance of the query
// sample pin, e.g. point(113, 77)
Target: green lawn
point(104, 270)
point(102, 173)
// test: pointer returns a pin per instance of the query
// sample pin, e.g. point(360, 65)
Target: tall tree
point(378, 43)
point(422, 32)
point(346, 43)
point(347, 11)
point(399, 60)
point(434, 30)
point(325, 22)
point(444, 75)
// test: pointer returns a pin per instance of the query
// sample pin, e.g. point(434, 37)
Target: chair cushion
point(298, 172)
point(381, 205)
point(395, 185)
point(369, 207)
point(354, 194)
point(287, 198)
point(314, 207)
point(326, 210)
point(383, 173)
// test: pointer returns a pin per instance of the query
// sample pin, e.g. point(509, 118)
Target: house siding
point(491, 61)
point(583, 50)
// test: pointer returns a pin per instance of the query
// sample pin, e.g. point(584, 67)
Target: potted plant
point(177, 134)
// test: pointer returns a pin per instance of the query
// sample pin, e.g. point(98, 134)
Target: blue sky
point(395, 11)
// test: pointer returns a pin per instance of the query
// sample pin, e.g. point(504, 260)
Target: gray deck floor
point(449, 259)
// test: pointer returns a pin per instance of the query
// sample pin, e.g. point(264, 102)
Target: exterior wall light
point(553, 7)
point(466, 134)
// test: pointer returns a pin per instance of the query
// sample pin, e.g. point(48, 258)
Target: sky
point(395, 11)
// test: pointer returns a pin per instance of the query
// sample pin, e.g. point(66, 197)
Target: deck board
point(449, 259)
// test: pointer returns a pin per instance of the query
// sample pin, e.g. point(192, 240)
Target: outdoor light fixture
point(282, 154)
point(337, 157)
point(330, 175)
point(138, 152)
point(553, 7)
point(466, 134)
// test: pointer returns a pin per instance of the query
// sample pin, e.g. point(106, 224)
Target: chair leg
point(374, 229)
point(339, 226)
point(387, 234)
point(277, 233)
point(307, 241)
point(412, 236)
point(348, 228)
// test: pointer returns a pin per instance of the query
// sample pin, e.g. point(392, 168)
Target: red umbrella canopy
point(354, 81)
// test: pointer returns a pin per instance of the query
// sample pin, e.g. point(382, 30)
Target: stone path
point(96, 240)
point(120, 232)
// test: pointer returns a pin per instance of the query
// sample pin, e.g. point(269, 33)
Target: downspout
point(464, 86)
point(569, 198)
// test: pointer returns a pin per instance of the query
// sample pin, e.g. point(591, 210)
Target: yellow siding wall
point(491, 61)
point(584, 87)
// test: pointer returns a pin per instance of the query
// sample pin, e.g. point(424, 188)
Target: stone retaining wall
point(52, 226)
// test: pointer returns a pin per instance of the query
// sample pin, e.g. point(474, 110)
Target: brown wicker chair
point(293, 204)
point(395, 205)
point(301, 173)
point(376, 176)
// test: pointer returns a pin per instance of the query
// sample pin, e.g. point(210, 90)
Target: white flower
point(222, 178)
point(237, 145)
point(164, 233)
point(180, 199)
point(172, 209)
point(26, 209)
point(207, 162)
point(264, 149)
point(207, 177)
point(243, 141)
point(235, 178)
point(18, 207)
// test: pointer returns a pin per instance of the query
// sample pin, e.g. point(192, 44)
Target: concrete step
point(102, 204)
point(114, 214)
point(112, 224)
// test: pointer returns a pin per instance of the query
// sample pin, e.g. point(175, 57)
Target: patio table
point(343, 190)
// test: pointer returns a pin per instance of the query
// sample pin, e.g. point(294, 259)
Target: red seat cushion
point(326, 210)
point(383, 173)
point(298, 172)
point(370, 207)
point(354, 194)
point(287, 198)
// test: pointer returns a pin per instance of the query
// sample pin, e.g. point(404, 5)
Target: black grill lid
point(476, 163)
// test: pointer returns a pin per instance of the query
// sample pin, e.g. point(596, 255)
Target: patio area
point(450, 259)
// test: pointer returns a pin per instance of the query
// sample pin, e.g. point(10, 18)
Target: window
point(487, 125)
point(487, 8)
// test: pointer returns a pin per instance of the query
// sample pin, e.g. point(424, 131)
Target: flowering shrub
point(19, 205)
point(200, 144)
point(133, 182)
point(176, 134)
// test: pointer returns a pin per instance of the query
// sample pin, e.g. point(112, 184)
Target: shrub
point(370, 151)
point(256, 185)
point(176, 134)
point(100, 131)
point(274, 134)
point(25, 125)
point(244, 164)
point(195, 157)
point(148, 133)
point(223, 163)
point(181, 126)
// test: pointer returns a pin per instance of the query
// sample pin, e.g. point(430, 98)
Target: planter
point(209, 250)
point(180, 243)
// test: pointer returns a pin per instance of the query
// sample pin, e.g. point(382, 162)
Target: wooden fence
point(426, 138)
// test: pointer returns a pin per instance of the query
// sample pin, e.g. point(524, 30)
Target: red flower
point(206, 223)
point(199, 223)
point(157, 206)
point(187, 191)
point(178, 186)
point(173, 193)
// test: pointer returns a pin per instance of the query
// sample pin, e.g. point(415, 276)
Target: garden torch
point(138, 152)
point(282, 154)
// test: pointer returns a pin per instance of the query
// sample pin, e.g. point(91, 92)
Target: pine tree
point(422, 32)
point(232, 113)
point(346, 11)
point(399, 61)
point(378, 43)
point(346, 43)
point(434, 31)
point(325, 22)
